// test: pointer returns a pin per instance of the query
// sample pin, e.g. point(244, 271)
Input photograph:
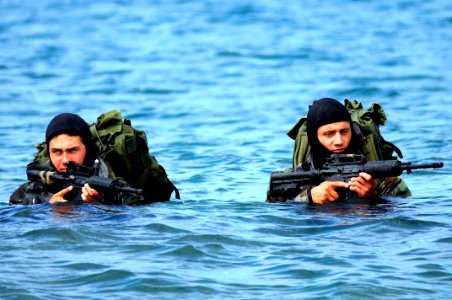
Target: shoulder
point(17, 197)
point(30, 193)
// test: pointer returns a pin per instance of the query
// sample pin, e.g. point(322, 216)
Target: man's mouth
point(337, 151)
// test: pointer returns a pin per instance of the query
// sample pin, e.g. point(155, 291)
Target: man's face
point(335, 137)
point(64, 148)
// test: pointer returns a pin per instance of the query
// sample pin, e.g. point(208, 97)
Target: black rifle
point(338, 167)
point(77, 175)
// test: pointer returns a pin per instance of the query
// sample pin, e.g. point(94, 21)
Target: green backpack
point(365, 124)
point(125, 151)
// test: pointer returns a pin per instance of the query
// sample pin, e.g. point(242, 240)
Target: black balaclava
point(72, 124)
point(321, 112)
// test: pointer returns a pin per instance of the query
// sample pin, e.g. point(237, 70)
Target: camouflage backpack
point(125, 151)
point(365, 124)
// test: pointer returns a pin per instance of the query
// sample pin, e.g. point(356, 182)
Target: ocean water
point(216, 85)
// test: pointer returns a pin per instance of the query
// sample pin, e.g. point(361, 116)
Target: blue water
point(216, 85)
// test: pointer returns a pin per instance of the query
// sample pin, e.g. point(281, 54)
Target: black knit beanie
point(72, 124)
point(321, 112)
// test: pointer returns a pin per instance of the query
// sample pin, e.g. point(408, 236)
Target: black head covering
point(72, 124)
point(321, 112)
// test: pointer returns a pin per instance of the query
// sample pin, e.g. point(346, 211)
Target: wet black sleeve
point(18, 195)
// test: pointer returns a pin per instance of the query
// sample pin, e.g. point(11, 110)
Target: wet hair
point(74, 125)
point(322, 112)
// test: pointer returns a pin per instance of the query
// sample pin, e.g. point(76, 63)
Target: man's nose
point(338, 139)
point(65, 158)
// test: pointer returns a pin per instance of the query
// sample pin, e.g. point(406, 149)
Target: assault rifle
point(77, 175)
point(338, 167)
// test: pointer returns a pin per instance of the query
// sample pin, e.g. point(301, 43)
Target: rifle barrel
point(435, 165)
